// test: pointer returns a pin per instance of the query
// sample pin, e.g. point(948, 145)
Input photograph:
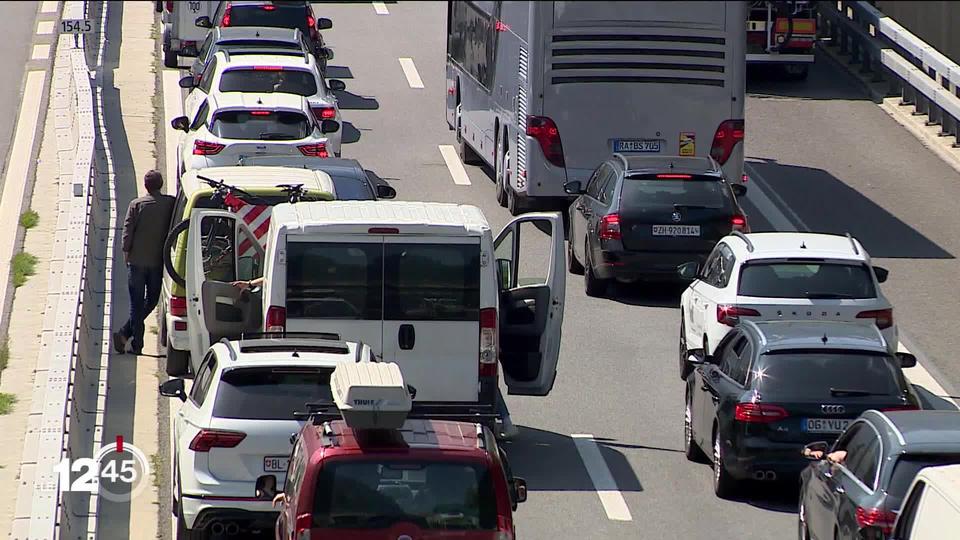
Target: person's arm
point(243, 285)
point(129, 228)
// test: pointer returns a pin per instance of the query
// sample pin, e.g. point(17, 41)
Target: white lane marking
point(49, 6)
point(454, 165)
point(41, 51)
point(45, 27)
point(172, 108)
point(15, 180)
point(380, 8)
point(410, 71)
point(603, 482)
point(920, 376)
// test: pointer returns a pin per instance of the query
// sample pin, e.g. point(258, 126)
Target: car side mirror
point(188, 82)
point(329, 126)
point(325, 53)
point(412, 391)
point(336, 85)
point(689, 270)
point(738, 189)
point(190, 50)
point(573, 188)
point(181, 122)
point(503, 269)
point(881, 273)
point(818, 446)
point(203, 22)
point(324, 23)
point(695, 357)
point(907, 360)
point(386, 192)
point(173, 388)
point(519, 486)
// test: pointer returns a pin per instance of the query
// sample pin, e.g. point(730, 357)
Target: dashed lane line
point(49, 6)
point(172, 108)
point(45, 27)
point(410, 71)
point(380, 8)
point(454, 165)
point(41, 51)
point(610, 497)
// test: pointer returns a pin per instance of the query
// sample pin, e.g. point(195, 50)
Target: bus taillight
point(545, 131)
point(729, 134)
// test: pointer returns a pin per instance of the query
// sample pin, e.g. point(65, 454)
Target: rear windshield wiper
point(276, 137)
point(827, 295)
point(855, 393)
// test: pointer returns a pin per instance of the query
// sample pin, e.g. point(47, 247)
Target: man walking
point(144, 231)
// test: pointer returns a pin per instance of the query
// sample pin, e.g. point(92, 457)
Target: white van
point(425, 285)
point(931, 509)
point(181, 35)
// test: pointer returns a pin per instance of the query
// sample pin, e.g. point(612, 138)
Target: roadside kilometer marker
point(410, 70)
point(118, 472)
point(454, 165)
point(380, 8)
point(610, 497)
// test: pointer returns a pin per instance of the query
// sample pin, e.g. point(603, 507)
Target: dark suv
point(642, 216)
point(773, 387)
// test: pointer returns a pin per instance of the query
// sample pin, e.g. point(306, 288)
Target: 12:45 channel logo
point(119, 472)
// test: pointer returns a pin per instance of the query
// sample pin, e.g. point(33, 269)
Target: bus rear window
point(434, 495)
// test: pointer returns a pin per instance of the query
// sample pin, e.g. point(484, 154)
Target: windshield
point(261, 125)
point(351, 188)
point(270, 393)
point(909, 465)
point(793, 372)
point(430, 494)
point(647, 190)
point(273, 15)
point(806, 279)
point(263, 81)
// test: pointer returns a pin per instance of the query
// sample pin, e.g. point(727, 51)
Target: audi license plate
point(637, 145)
point(676, 230)
point(825, 425)
point(275, 464)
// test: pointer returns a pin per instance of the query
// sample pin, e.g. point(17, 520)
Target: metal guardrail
point(918, 73)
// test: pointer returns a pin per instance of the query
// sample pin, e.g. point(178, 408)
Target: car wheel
point(690, 448)
point(685, 367)
point(178, 362)
point(723, 484)
point(467, 155)
point(502, 174)
point(802, 532)
point(593, 285)
point(514, 206)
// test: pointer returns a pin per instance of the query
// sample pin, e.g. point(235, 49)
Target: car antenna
point(295, 354)
point(259, 101)
point(803, 245)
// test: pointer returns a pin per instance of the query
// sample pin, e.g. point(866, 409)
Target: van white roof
point(427, 218)
point(947, 478)
point(257, 177)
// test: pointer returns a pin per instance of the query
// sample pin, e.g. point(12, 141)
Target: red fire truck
point(782, 34)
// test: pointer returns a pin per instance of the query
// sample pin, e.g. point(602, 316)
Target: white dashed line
point(454, 165)
point(41, 51)
point(380, 8)
point(49, 6)
point(45, 27)
point(410, 70)
point(603, 482)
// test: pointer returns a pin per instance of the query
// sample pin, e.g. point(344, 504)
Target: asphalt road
point(16, 26)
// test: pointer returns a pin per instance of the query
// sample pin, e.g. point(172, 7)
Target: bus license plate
point(636, 145)
point(676, 230)
point(275, 464)
point(825, 425)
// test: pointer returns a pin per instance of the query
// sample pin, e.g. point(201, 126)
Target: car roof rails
point(856, 250)
point(745, 239)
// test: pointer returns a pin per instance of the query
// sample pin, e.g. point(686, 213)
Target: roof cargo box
point(371, 395)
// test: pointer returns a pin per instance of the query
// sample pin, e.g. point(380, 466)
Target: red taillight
point(882, 317)
point(504, 527)
point(324, 113)
point(488, 342)
point(268, 7)
point(215, 438)
point(314, 150)
point(739, 223)
point(545, 131)
point(180, 326)
point(759, 413)
point(876, 517)
point(730, 315)
point(204, 148)
point(168, 6)
point(674, 176)
point(267, 68)
point(383, 230)
point(610, 227)
point(178, 306)
point(302, 527)
point(261, 113)
point(729, 133)
point(901, 408)
point(226, 17)
point(276, 319)
point(311, 22)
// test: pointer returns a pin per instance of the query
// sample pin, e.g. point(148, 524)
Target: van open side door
point(221, 249)
point(531, 305)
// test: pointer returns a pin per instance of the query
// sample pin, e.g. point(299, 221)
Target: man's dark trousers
point(144, 284)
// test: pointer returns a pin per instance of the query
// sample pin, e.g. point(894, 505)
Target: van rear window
point(432, 282)
point(328, 280)
point(431, 494)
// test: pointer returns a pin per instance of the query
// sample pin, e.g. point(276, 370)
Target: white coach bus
point(542, 92)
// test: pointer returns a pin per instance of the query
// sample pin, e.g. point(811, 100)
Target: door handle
point(406, 337)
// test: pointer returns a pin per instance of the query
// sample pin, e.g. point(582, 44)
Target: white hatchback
point(781, 276)
point(232, 433)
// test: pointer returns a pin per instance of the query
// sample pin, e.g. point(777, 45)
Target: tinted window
point(204, 377)
point(201, 117)
point(206, 78)
point(806, 280)
point(379, 494)
point(217, 237)
point(274, 15)
point(288, 81)
point(471, 40)
point(813, 374)
point(253, 125)
point(727, 261)
point(863, 457)
point(907, 467)
point(646, 191)
point(240, 44)
point(270, 393)
point(351, 188)
point(334, 280)
point(432, 282)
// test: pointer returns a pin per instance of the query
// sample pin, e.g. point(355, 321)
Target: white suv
point(262, 72)
point(230, 126)
point(780, 276)
point(232, 433)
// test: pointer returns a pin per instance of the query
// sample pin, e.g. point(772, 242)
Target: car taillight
point(276, 319)
point(215, 438)
point(730, 315)
point(168, 6)
point(545, 131)
point(910, 407)
point(180, 326)
point(610, 227)
point(882, 317)
point(759, 413)
point(324, 113)
point(178, 306)
point(302, 527)
point(261, 113)
point(739, 223)
point(314, 150)
point(488, 342)
point(205, 148)
point(226, 17)
point(267, 68)
point(504, 528)
point(876, 517)
point(729, 133)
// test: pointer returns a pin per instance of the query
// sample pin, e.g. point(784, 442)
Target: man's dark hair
point(153, 181)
